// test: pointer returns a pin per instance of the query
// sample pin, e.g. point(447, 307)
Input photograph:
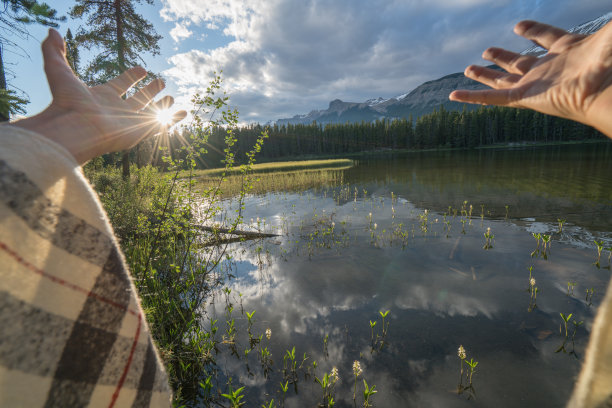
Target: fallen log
point(245, 234)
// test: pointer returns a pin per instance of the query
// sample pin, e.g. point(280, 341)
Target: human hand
point(90, 121)
point(571, 81)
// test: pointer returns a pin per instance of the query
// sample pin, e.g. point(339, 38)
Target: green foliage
point(235, 396)
point(441, 129)
point(14, 18)
point(72, 52)
point(175, 265)
point(368, 392)
point(12, 103)
point(118, 34)
point(17, 13)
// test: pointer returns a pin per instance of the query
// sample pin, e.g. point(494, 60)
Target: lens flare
point(165, 117)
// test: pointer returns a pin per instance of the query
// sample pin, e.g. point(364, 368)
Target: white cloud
point(282, 57)
point(180, 32)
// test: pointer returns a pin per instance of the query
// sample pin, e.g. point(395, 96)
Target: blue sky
point(284, 57)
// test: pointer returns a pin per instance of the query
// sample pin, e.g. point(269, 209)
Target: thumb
point(56, 66)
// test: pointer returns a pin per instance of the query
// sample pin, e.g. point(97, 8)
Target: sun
point(165, 117)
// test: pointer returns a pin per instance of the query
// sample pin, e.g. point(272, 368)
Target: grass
point(284, 166)
point(282, 176)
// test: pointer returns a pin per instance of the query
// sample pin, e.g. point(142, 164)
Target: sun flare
point(165, 117)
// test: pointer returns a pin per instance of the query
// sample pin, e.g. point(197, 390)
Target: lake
point(447, 243)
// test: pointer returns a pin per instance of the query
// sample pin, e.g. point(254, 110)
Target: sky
point(280, 58)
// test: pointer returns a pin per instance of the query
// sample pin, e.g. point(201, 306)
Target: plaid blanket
point(72, 331)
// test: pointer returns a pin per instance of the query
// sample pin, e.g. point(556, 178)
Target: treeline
point(485, 126)
point(440, 129)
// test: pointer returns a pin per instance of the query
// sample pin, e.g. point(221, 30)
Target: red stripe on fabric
point(127, 365)
point(63, 282)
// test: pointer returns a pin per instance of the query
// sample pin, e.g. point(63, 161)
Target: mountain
point(421, 100)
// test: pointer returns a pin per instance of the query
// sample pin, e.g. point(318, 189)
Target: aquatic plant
point(530, 269)
point(356, 372)
point(423, 219)
point(576, 325)
point(533, 291)
point(546, 241)
point(265, 358)
point(206, 387)
point(384, 327)
point(284, 388)
point(270, 405)
point(367, 393)
point(472, 364)
point(372, 324)
point(327, 384)
point(599, 249)
point(570, 288)
point(325, 352)
point(565, 321)
point(561, 222)
point(589, 296)
point(234, 396)
point(462, 356)
point(537, 237)
point(489, 237)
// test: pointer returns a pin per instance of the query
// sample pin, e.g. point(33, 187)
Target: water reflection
point(342, 259)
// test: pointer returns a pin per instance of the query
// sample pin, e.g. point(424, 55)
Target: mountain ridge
point(421, 100)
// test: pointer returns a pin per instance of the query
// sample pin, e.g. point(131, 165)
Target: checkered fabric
point(72, 332)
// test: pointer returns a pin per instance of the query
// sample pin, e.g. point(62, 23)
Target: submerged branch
point(245, 234)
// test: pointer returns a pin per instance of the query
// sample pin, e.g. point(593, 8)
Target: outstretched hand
point(90, 121)
point(573, 80)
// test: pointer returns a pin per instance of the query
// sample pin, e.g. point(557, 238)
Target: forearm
point(61, 129)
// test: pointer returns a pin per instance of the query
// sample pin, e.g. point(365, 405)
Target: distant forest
point(485, 126)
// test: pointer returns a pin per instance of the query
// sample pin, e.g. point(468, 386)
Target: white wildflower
point(461, 352)
point(532, 281)
point(334, 374)
point(357, 368)
point(268, 333)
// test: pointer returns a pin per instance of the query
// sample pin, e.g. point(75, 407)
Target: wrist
point(600, 115)
point(60, 129)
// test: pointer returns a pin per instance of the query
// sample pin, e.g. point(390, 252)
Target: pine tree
point(72, 52)
point(120, 35)
point(14, 19)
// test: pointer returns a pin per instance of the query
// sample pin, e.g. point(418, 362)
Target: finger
point(126, 80)
point(500, 97)
point(512, 62)
point(144, 96)
point(542, 34)
point(178, 116)
point(491, 77)
point(164, 103)
point(151, 112)
point(56, 66)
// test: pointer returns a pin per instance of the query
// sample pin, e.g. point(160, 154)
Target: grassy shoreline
point(281, 166)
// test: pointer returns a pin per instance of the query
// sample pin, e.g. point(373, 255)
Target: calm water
point(333, 268)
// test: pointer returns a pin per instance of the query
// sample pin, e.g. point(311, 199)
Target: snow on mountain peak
point(375, 101)
point(585, 28)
